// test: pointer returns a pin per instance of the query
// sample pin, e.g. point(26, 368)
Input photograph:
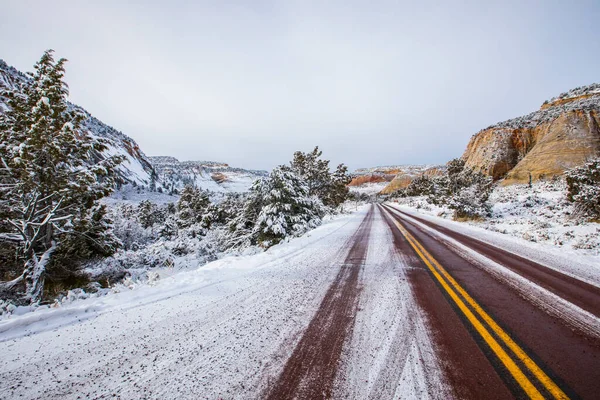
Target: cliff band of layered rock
point(563, 134)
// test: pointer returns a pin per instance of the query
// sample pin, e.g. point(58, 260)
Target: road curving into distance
point(496, 341)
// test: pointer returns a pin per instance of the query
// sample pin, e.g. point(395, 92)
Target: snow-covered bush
point(7, 307)
point(461, 189)
point(191, 206)
point(584, 189)
point(128, 228)
point(471, 201)
point(469, 195)
point(420, 186)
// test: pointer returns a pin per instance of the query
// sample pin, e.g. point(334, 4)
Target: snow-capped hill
point(207, 175)
point(136, 167)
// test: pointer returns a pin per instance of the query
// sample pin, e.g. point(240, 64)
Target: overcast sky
point(249, 82)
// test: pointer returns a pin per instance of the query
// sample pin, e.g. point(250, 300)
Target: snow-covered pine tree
point(287, 208)
point(331, 188)
point(314, 171)
point(51, 176)
point(338, 188)
point(191, 206)
point(149, 214)
point(229, 208)
point(241, 226)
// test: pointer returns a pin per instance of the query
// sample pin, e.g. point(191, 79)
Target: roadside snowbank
point(540, 214)
point(80, 306)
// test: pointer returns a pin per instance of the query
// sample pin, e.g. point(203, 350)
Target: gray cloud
point(249, 82)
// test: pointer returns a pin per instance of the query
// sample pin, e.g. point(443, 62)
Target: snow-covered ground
point(215, 332)
point(540, 214)
point(135, 194)
point(225, 330)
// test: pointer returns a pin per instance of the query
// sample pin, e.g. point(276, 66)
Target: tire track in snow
point(390, 354)
point(310, 371)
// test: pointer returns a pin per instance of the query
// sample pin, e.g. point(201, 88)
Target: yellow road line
point(523, 381)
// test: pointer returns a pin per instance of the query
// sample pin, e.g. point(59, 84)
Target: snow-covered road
point(226, 330)
point(378, 304)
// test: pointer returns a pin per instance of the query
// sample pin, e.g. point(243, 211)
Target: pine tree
point(241, 226)
point(287, 208)
point(191, 206)
point(50, 174)
point(149, 214)
point(338, 188)
point(331, 188)
point(314, 171)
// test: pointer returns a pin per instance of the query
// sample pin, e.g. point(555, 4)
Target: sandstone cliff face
point(567, 142)
point(563, 134)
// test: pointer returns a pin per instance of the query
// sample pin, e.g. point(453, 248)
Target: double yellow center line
point(479, 319)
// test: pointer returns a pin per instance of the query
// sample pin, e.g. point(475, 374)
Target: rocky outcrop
point(561, 135)
point(567, 142)
point(218, 177)
point(405, 177)
point(370, 178)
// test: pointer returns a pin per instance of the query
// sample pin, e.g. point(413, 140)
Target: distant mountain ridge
point(160, 172)
point(388, 179)
point(208, 175)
